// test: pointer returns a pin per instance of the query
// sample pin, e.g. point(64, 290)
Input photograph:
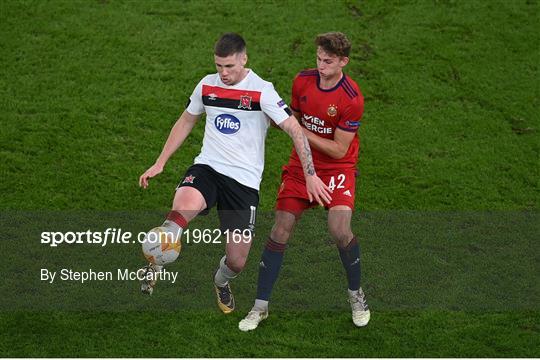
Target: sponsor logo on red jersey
point(316, 125)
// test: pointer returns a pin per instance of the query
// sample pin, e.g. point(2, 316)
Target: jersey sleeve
point(273, 106)
point(351, 117)
point(195, 105)
point(295, 97)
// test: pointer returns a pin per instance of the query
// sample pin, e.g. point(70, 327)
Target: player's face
point(231, 68)
point(329, 65)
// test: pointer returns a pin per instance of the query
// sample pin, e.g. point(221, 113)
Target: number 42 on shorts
point(332, 182)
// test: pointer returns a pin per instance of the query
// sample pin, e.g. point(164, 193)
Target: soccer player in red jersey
point(329, 105)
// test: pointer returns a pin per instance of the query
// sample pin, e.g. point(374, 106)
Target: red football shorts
point(292, 195)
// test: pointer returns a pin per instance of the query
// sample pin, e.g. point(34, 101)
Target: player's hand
point(152, 171)
point(317, 190)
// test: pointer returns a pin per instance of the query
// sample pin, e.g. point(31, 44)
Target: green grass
point(300, 334)
point(89, 91)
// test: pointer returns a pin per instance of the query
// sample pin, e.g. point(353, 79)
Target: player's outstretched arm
point(178, 134)
point(316, 189)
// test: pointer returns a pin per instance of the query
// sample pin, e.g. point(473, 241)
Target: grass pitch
point(89, 91)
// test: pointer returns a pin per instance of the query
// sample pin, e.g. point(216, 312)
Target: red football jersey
point(324, 110)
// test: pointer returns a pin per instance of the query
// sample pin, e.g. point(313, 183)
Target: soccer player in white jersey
point(239, 106)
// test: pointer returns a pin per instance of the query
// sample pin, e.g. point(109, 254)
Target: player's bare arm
point(336, 148)
point(316, 189)
point(295, 114)
point(178, 134)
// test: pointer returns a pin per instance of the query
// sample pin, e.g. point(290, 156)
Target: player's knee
point(189, 201)
point(341, 237)
point(236, 263)
point(280, 234)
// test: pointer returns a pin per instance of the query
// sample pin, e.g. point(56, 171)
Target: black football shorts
point(236, 203)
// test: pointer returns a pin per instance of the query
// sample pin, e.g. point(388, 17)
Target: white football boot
point(148, 281)
point(252, 320)
point(360, 309)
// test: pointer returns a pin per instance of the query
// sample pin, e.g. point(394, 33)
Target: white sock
point(224, 273)
point(173, 228)
point(260, 305)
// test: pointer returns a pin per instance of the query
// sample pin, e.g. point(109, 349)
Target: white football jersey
point(237, 118)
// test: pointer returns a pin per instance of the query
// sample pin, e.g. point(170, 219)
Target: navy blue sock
point(350, 258)
point(269, 267)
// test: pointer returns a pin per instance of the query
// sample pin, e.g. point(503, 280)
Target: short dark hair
point(229, 44)
point(334, 43)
